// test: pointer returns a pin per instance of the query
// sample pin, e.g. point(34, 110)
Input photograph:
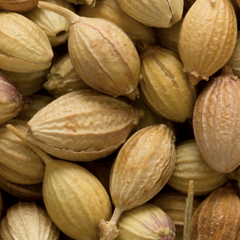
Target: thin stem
point(68, 14)
point(116, 215)
point(188, 211)
point(44, 156)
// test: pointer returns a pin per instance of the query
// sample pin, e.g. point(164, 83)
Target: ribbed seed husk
point(173, 204)
point(24, 47)
point(38, 101)
point(146, 222)
point(63, 78)
point(155, 13)
point(28, 192)
point(18, 5)
point(216, 125)
point(110, 10)
point(104, 56)
point(190, 165)
point(18, 163)
point(165, 85)
point(26, 220)
point(30, 82)
point(207, 38)
point(55, 26)
point(75, 200)
point(143, 166)
point(83, 125)
point(217, 217)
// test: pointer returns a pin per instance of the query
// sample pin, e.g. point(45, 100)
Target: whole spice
point(190, 165)
point(54, 25)
point(173, 204)
point(142, 167)
point(18, 5)
point(207, 38)
point(215, 122)
point(75, 200)
point(146, 222)
point(11, 99)
point(101, 53)
point(110, 10)
point(28, 192)
point(18, 163)
point(164, 84)
point(83, 125)
point(217, 217)
point(26, 220)
point(24, 47)
point(63, 78)
point(155, 13)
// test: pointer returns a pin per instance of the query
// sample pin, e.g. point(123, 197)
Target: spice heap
point(119, 119)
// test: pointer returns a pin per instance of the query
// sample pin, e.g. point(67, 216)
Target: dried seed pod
point(89, 125)
point(74, 198)
point(11, 99)
point(89, 3)
point(173, 204)
point(24, 46)
point(164, 84)
point(26, 220)
point(217, 217)
point(101, 53)
point(110, 10)
point(29, 83)
point(38, 101)
point(142, 168)
point(146, 222)
point(207, 38)
point(18, 5)
point(234, 61)
point(63, 78)
point(190, 165)
point(54, 25)
point(28, 192)
point(215, 122)
point(18, 163)
point(155, 13)
point(168, 37)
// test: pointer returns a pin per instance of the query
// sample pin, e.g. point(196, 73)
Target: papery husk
point(110, 10)
point(234, 60)
point(18, 163)
point(26, 220)
point(28, 192)
point(190, 165)
point(142, 167)
point(38, 101)
point(83, 125)
point(63, 78)
point(54, 25)
point(24, 46)
point(74, 198)
point(146, 222)
point(155, 13)
point(101, 53)
point(168, 37)
point(18, 5)
point(215, 122)
point(217, 217)
point(11, 99)
point(164, 84)
point(173, 204)
point(207, 38)
point(28, 83)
